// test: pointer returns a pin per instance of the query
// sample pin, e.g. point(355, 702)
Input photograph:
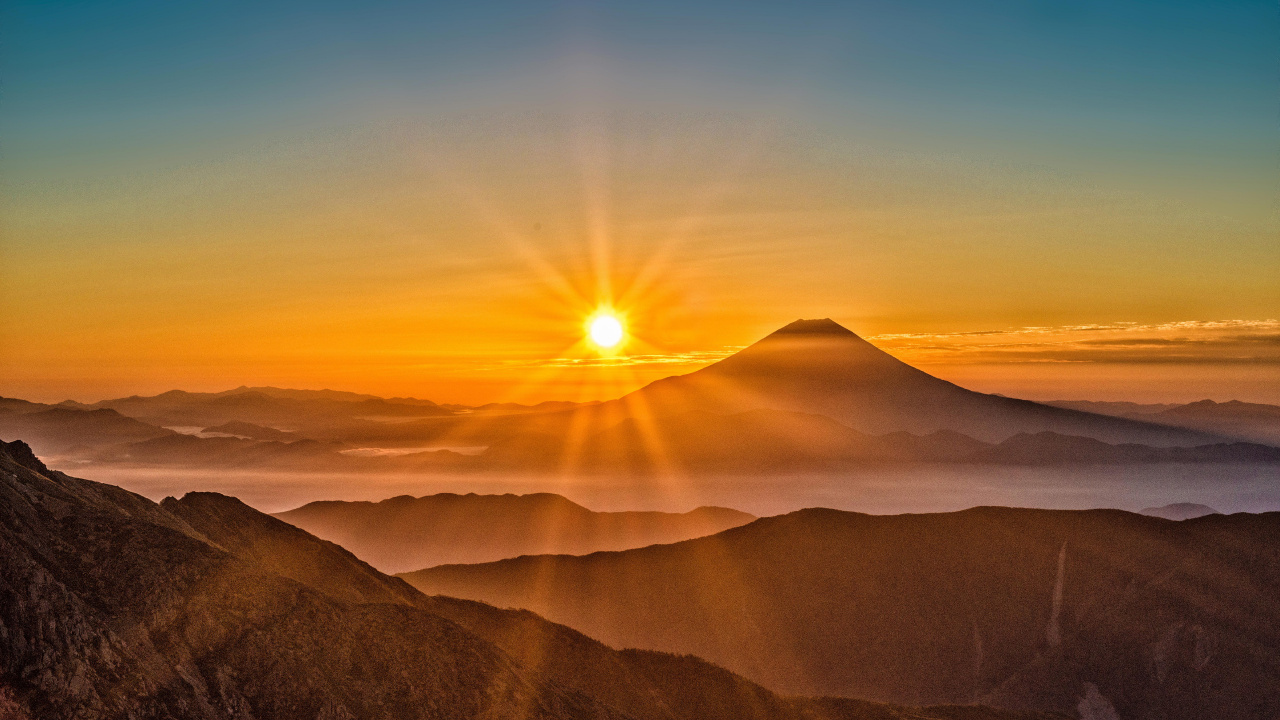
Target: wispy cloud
point(701, 357)
point(1191, 341)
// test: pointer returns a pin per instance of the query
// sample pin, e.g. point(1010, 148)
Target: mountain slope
point(109, 614)
point(407, 533)
point(817, 366)
point(56, 431)
point(112, 606)
point(1018, 608)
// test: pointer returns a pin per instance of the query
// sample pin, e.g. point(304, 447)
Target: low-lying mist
point(881, 490)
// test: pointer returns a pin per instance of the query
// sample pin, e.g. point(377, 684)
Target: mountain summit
point(821, 367)
point(824, 326)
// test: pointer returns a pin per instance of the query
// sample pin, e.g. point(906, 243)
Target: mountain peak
point(823, 326)
point(20, 453)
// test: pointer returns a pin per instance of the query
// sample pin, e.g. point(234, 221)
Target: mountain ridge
point(407, 533)
point(115, 606)
point(1016, 608)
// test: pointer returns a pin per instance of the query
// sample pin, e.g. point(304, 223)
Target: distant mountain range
point(112, 606)
point(812, 396)
point(408, 533)
point(1027, 609)
point(1246, 421)
point(1180, 511)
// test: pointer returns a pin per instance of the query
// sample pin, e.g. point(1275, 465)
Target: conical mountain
point(821, 367)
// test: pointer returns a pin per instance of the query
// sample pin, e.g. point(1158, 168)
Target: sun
point(605, 330)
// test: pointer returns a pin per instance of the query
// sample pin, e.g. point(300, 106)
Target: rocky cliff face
point(112, 606)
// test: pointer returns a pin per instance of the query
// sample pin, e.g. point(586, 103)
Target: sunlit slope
point(1020, 608)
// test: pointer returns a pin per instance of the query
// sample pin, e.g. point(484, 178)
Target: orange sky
point(460, 268)
point(440, 226)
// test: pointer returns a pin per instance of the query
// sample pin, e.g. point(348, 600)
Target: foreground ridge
point(113, 606)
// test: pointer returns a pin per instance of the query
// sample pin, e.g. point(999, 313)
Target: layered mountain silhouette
point(1256, 422)
point(1028, 609)
point(249, 431)
point(112, 606)
point(812, 396)
point(57, 430)
point(265, 406)
point(1180, 511)
point(407, 533)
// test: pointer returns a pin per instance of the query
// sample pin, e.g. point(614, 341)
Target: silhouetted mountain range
point(265, 406)
point(57, 430)
point(1180, 511)
point(249, 431)
point(1029, 609)
point(408, 533)
point(1234, 419)
point(112, 606)
point(812, 396)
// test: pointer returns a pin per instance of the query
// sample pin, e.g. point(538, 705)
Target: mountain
point(1024, 609)
point(1255, 422)
point(1180, 511)
point(59, 430)
point(509, 408)
point(820, 367)
point(1251, 421)
point(112, 606)
point(1048, 448)
point(773, 441)
point(810, 397)
point(191, 451)
point(272, 407)
point(1116, 408)
point(249, 431)
point(407, 533)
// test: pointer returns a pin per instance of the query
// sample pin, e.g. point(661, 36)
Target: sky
point(1048, 200)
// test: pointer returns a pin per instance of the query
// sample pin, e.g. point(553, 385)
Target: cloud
point(1219, 342)
point(1249, 342)
point(701, 357)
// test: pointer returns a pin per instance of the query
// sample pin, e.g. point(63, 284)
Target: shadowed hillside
point(407, 533)
point(1017, 608)
point(113, 606)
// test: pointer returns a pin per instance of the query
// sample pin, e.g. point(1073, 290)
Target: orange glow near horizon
point(700, 240)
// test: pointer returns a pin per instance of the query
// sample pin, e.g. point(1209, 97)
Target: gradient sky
point(1043, 199)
